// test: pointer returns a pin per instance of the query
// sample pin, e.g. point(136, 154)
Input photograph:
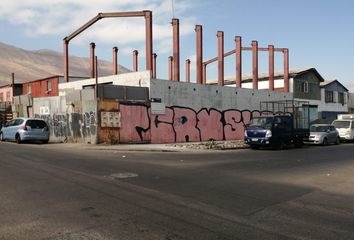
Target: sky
point(318, 33)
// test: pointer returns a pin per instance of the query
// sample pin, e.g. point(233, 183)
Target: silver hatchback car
point(323, 134)
point(25, 129)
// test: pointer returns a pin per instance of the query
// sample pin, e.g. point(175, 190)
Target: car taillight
point(24, 128)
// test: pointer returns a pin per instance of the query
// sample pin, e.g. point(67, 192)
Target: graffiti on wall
point(182, 124)
point(76, 125)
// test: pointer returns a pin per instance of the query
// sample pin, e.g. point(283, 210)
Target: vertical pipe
point(154, 56)
point(220, 36)
point(170, 68)
point(188, 70)
point(148, 33)
point(115, 60)
point(95, 63)
point(238, 40)
point(66, 60)
point(176, 61)
point(255, 64)
point(204, 73)
point(199, 59)
point(92, 59)
point(135, 60)
point(271, 67)
point(286, 70)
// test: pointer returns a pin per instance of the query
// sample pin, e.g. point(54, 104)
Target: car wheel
point(337, 141)
point(18, 139)
point(2, 137)
point(324, 142)
point(281, 145)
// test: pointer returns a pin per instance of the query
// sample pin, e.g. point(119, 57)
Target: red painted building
point(46, 87)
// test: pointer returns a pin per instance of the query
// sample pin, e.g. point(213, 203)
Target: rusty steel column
point(92, 59)
point(154, 56)
point(271, 67)
point(255, 64)
point(204, 73)
point(148, 33)
point(238, 41)
point(66, 60)
point(188, 70)
point(176, 61)
point(220, 36)
point(199, 58)
point(170, 68)
point(115, 61)
point(286, 70)
point(135, 60)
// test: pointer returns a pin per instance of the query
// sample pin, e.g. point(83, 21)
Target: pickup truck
point(275, 131)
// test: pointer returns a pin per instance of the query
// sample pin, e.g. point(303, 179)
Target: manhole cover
point(123, 175)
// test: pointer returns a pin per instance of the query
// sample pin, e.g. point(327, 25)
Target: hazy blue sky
point(318, 33)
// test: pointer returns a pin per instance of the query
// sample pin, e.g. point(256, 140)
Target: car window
point(18, 122)
point(10, 123)
point(37, 124)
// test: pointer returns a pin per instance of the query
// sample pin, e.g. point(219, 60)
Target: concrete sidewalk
point(173, 147)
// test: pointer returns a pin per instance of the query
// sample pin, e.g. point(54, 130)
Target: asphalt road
point(72, 192)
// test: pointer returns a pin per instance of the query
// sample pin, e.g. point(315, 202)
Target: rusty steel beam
point(238, 41)
point(176, 61)
point(115, 61)
point(66, 61)
point(220, 36)
point(92, 59)
point(154, 57)
point(216, 58)
point(148, 33)
point(279, 49)
point(271, 67)
point(135, 60)
point(286, 70)
point(188, 70)
point(170, 68)
point(255, 64)
point(199, 58)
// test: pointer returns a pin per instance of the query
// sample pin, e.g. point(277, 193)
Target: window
point(329, 96)
point(1, 97)
point(8, 97)
point(305, 87)
point(29, 89)
point(341, 98)
point(49, 86)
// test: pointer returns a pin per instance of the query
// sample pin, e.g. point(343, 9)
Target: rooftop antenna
point(173, 8)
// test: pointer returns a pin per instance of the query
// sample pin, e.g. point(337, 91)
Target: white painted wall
point(139, 79)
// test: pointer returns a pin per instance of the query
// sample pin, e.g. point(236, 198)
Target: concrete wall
point(139, 79)
point(197, 96)
point(72, 118)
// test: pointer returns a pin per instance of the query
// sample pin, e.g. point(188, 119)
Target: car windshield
point(264, 122)
point(341, 124)
point(319, 128)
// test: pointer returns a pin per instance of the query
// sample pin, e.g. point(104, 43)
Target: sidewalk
point(173, 147)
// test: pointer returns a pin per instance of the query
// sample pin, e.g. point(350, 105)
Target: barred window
point(329, 96)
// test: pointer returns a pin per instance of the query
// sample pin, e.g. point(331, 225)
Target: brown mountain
point(32, 65)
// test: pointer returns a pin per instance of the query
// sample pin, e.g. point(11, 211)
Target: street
point(67, 192)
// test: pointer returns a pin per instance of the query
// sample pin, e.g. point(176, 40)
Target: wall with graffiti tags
point(72, 122)
point(182, 124)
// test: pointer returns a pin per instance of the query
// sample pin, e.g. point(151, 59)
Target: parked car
point(323, 134)
point(25, 129)
point(275, 131)
point(345, 126)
